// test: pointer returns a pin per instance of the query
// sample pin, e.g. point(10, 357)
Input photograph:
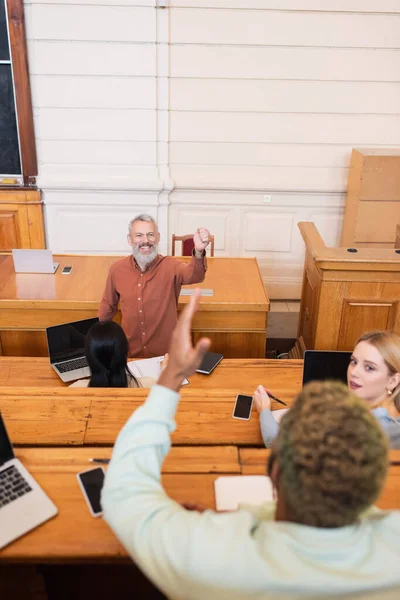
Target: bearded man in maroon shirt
point(147, 286)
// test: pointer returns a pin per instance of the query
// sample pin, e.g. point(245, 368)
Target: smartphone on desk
point(91, 482)
point(66, 270)
point(243, 406)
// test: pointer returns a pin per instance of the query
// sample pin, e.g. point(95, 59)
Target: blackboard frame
point(19, 59)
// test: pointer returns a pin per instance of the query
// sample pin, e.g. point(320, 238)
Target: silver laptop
point(66, 344)
point(23, 503)
point(34, 261)
point(325, 364)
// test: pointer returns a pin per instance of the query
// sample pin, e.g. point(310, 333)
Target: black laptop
point(66, 344)
point(320, 365)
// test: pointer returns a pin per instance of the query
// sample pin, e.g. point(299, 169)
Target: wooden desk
point(242, 375)
point(235, 318)
point(346, 293)
point(73, 535)
point(188, 475)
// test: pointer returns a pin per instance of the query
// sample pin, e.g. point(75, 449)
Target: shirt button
point(139, 284)
point(143, 333)
point(139, 298)
point(141, 323)
point(140, 311)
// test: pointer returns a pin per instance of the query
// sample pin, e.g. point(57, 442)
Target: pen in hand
point(275, 398)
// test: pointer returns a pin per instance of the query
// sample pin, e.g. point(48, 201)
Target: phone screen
point(243, 407)
point(92, 482)
point(66, 270)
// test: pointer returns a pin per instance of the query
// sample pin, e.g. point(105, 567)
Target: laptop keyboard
point(71, 365)
point(12, 485)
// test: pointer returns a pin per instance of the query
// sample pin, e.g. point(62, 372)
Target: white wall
point(237, 115)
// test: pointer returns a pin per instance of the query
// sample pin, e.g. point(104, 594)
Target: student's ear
point(394, 381)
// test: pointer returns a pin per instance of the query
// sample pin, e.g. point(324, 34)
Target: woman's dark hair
point(106, 351)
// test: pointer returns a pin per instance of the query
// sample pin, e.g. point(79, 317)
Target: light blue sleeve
point(165, 540)
point(269, 427)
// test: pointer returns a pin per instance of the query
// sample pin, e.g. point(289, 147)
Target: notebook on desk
point(23, 503)
point(242, 489)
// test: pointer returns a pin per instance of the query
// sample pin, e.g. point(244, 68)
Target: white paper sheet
point(242, 489)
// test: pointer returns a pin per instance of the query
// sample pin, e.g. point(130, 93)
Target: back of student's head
point(332, 456)
point(106, 351)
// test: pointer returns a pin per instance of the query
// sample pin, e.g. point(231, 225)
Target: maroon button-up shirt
point(148, 299)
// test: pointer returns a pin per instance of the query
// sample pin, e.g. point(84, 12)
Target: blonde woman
point(373, 375)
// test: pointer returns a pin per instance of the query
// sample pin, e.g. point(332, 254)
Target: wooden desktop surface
point(188, 475)
point(235, 317)
point(241, 374)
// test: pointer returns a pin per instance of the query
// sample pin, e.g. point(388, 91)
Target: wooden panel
point(8, 229)
point(373, 197)
point(204, 417)
point(253, 461)
point(180, 459)
point(24, 343)
point(235, 345)
point(36, 228)
point(21, 220)
point(380, 178)
point(377, 222)
point(35, 416)
point(359, 317)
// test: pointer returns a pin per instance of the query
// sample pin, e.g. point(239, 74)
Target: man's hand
point(201, 240)
point(261, 399)
point(183, 359)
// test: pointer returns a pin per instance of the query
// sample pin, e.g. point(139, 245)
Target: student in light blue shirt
point(373, 375)
point(328, 465)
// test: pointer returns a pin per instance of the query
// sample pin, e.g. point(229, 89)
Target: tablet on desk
point(210, 361)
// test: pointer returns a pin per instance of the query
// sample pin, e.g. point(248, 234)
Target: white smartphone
point(91, 482)
point(66, 270)
point(243, 406)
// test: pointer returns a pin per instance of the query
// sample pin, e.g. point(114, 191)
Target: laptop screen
point(325, 364)
point(6, 449)
point(68, 341)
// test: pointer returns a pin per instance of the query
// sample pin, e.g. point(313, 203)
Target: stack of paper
point(245, 489)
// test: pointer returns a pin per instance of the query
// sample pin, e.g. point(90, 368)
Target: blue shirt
point(234, 556)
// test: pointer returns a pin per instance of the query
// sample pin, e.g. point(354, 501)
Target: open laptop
point(23, 503)
point(325, 364)
point(66, 344)
point(34, 261)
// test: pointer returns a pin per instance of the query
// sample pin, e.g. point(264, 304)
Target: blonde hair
point(332, 456)
point(388, 345)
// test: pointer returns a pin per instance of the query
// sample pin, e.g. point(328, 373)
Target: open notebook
point(148, 367)
point(242, 489)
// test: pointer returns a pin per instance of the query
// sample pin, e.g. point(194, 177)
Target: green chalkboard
point(10, 163)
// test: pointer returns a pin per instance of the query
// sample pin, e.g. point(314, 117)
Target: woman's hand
point(261, 399)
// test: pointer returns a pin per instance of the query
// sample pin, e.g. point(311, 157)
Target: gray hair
point(142, 217)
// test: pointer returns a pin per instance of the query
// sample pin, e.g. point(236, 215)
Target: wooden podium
point(346, 292)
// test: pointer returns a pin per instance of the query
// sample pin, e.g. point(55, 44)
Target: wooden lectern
point(346, 292)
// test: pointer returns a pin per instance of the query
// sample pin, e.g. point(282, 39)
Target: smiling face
point(368, 375)
point(144, 239)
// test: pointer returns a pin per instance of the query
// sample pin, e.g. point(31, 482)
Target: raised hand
point(184, 359)
point(201, 239)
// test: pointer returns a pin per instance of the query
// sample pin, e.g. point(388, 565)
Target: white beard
point(143, 260)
